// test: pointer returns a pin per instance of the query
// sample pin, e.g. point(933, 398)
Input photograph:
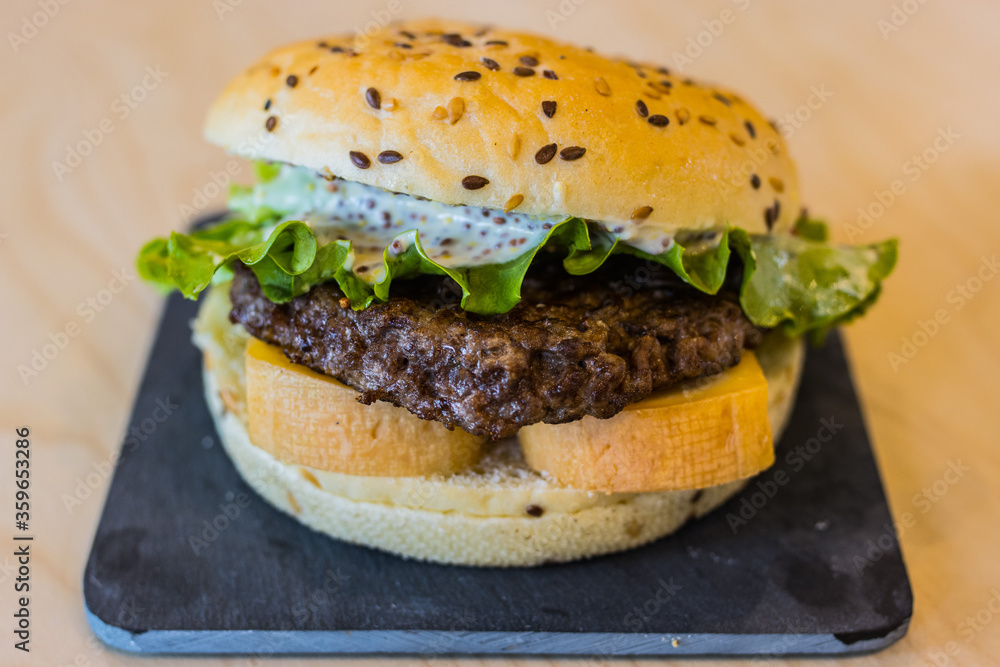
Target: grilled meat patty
point(573, 346)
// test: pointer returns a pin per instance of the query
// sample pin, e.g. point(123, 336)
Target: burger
point(497, 300)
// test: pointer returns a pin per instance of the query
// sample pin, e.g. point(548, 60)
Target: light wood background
point(888, 98)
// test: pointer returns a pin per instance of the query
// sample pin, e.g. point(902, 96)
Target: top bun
point(457, 100)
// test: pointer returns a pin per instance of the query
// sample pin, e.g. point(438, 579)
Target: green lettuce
point(798, 282)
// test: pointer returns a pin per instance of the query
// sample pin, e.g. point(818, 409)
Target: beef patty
point(573, 346)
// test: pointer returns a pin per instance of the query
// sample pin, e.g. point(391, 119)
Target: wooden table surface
point(892, 110)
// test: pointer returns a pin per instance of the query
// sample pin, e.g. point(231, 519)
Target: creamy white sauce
point(374, 219)
point(452, 236)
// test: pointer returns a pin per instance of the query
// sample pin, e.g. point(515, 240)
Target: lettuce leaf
point(805, 285)
point(788, 281)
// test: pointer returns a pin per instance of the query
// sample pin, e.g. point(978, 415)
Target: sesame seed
point(722, 98)
point(755, 181)
point(707, 120)
point(267, 104)
point(751, 130)
point(455, 40)
point(456, 107)
point(336, 49)
point(777, 184)
point(529, 61)
point(549, 74)
point(534, 510)
point(524, 71)
point(545, 154)
point(737, 139)
point(390, 104)
point(491, 64)
point(360, 160)
point(322, 45)
point(549, 108)
point(468, 76)
point(513, 203)
point(659, 87)
point(641, 213)
point(651, 93)
point(602, 86)
point(659, 120)
point(408, 35)
point(771, 214)
point(374, 98)
point(439, 113)
point(495, 42)
point(271, 123)
point(683, 115)
point(403, 45)
point(514, 145)
point(312, 70)
point(390, 157)
point(572, 153)
point(292, 80)
point(474, 182)
point(641, 108)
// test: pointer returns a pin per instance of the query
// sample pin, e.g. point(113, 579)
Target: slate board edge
point(251, 642)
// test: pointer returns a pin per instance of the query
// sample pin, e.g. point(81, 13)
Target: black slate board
point(793, 580)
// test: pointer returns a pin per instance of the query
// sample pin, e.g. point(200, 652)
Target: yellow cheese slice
point(704, 433)
point(300, 416)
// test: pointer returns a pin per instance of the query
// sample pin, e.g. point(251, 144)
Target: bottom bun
point(497, 513)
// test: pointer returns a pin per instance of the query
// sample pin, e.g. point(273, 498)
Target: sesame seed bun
point(486, 117)
point(497, 512)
